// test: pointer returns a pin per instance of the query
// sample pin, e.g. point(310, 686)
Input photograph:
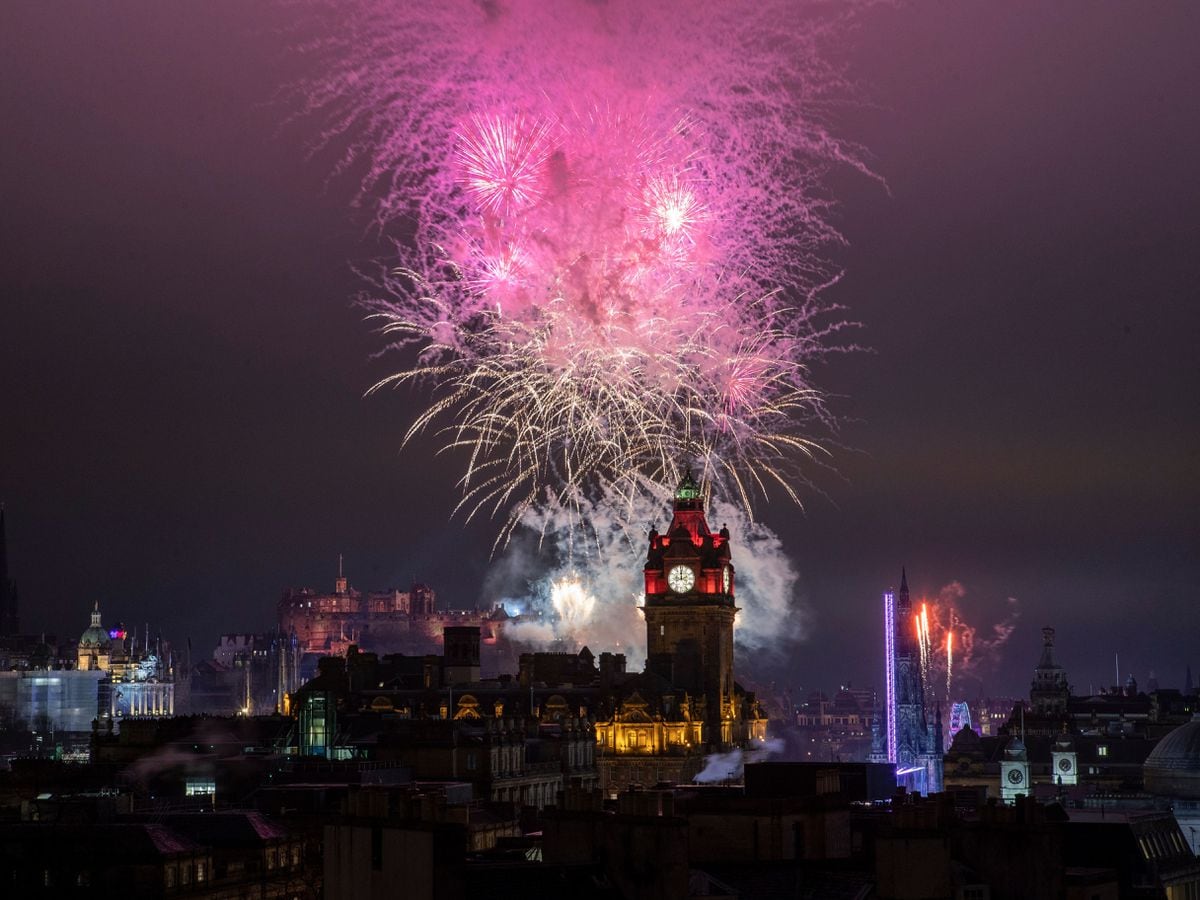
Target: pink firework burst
point(618, 259)
point(501, 161)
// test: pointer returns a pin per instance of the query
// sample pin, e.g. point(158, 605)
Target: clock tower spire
point(689, 609)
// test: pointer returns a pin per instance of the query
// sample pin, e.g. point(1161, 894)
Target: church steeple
point(904, 609)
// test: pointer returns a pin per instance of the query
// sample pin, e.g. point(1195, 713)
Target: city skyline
point(183, 367)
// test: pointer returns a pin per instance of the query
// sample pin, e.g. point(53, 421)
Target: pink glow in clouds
point(618, 231)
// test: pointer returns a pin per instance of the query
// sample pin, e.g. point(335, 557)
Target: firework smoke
point(614, 233)
point(605, 559)
point(731, 766)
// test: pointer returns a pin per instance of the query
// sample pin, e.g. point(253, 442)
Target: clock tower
point(1064, 760)
point(689, 609)
point(1014, 771)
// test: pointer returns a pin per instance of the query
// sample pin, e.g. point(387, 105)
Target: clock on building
point(727, 578)
point(1064, 764)
point(681, 579)
point(1015, 776)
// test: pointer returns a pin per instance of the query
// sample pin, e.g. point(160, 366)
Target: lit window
point(199, 786)
point(1102, 750)
point(199, 872)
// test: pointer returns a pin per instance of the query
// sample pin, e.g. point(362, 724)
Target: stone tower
point(1049, 693)
point(689, 609)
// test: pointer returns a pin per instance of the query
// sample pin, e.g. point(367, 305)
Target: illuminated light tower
point(889, 649)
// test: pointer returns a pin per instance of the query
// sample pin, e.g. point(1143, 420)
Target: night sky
point(183, 430)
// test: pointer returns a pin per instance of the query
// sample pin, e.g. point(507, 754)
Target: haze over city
point(182, 365)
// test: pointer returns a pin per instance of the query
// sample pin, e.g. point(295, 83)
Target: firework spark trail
point(940, 624)
point(617, 233)
point(949, 658)
point(572, 602)
point(921, 624)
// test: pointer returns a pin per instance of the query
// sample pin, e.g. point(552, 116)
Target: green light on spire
point(688, 489)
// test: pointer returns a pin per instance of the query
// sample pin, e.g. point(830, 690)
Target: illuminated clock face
point(727, 578)
point(1015, 776)
point(1064, 764)
point(681, 579)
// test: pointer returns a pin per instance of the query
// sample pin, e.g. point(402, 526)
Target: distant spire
point(1047, 660)
point(903, 580)
point(339, 586)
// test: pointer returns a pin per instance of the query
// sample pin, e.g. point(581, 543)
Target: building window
point(471, 761)
point(199, 873)
point(270, 857)
point(196, 787)
point(1102, 750)
point(185, 874)
point(169, 876)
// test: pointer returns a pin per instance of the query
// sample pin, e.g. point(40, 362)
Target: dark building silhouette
point(1049, 692)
